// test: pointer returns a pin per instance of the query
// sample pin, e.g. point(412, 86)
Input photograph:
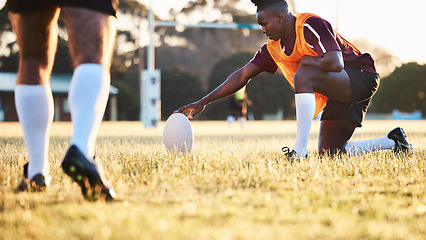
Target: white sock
point(34, 105)
point(230, 119)
point(305, 110)
point(242, 120)
point(359, 147)
point(87, 99)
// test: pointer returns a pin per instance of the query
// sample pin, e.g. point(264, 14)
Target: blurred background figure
point(238, 103)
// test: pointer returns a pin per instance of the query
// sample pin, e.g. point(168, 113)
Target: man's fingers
point(181, 109)
point(184, 110)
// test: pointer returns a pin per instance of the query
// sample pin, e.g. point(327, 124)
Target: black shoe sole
point(90, 182)
point(401, 142)
point(35, 184)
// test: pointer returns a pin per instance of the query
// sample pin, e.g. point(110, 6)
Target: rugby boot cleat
point(38, 183)
point(88, 174)
point(291, 155)
point(401, 141)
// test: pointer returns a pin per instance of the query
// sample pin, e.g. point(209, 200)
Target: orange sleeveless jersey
point(288, 64)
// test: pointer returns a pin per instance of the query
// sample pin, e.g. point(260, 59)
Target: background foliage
point(403, 90)
point(268, 92)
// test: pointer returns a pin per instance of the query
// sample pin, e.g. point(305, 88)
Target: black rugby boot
point(88, 175)
point(401, 141)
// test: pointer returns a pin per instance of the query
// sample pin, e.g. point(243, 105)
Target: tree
point(127, 101)
point(198, 49)
point(404, 89)
point(178, 87)
point(9, 58)
point(268, 92)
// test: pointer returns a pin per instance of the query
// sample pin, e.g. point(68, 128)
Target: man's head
point(273, 16)
point(264, 4)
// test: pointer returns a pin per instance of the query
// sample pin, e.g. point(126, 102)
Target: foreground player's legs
point(87, 100)
point(34, 105)
point(36, 33)
point(91, 40)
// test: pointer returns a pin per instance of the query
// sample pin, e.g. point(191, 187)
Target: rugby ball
point(177, 134)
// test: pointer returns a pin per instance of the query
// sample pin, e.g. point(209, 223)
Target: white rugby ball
point(177, 134)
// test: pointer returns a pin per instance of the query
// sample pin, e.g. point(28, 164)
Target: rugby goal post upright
point(150, 84)
point(151, 77)
point(151, 98)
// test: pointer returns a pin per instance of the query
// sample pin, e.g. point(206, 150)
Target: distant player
point(91, 28)
point(328, 74)
point(238, 103)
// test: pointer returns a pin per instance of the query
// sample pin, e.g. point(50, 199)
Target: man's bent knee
point(331, 150)
point(304, 79)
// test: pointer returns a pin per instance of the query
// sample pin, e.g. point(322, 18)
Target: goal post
point(151, 98)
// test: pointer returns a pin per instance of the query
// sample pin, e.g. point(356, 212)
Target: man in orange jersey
point(328, 74)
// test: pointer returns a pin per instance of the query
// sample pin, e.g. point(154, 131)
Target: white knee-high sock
point(87, 98)
point(34, 105)
point(359, 147)
point(305, 110)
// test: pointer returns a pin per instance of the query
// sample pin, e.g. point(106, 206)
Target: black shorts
point(364, 85)
point(106, 6)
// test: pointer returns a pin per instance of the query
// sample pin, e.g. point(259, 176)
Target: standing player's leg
point(36, 33)
point(91, 41)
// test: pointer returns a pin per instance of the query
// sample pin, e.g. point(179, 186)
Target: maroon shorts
point(363, 85)
point(106, 6)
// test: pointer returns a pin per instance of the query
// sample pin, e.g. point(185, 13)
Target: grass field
point(234, 185)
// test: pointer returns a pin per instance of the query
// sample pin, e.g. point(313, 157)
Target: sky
point(398, 26)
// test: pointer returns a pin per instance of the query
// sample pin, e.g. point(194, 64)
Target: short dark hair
point(263, 4)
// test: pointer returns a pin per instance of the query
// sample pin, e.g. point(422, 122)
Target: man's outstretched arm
point(233, 83)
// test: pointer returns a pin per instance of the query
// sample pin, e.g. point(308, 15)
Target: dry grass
point(234, 185)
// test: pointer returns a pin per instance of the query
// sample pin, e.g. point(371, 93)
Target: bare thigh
point(37, 37)
point(334, 134)
point(91, 35)
point(334, 85)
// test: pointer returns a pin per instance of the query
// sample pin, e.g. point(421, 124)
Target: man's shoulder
point(316, 20)
point(318, 24)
